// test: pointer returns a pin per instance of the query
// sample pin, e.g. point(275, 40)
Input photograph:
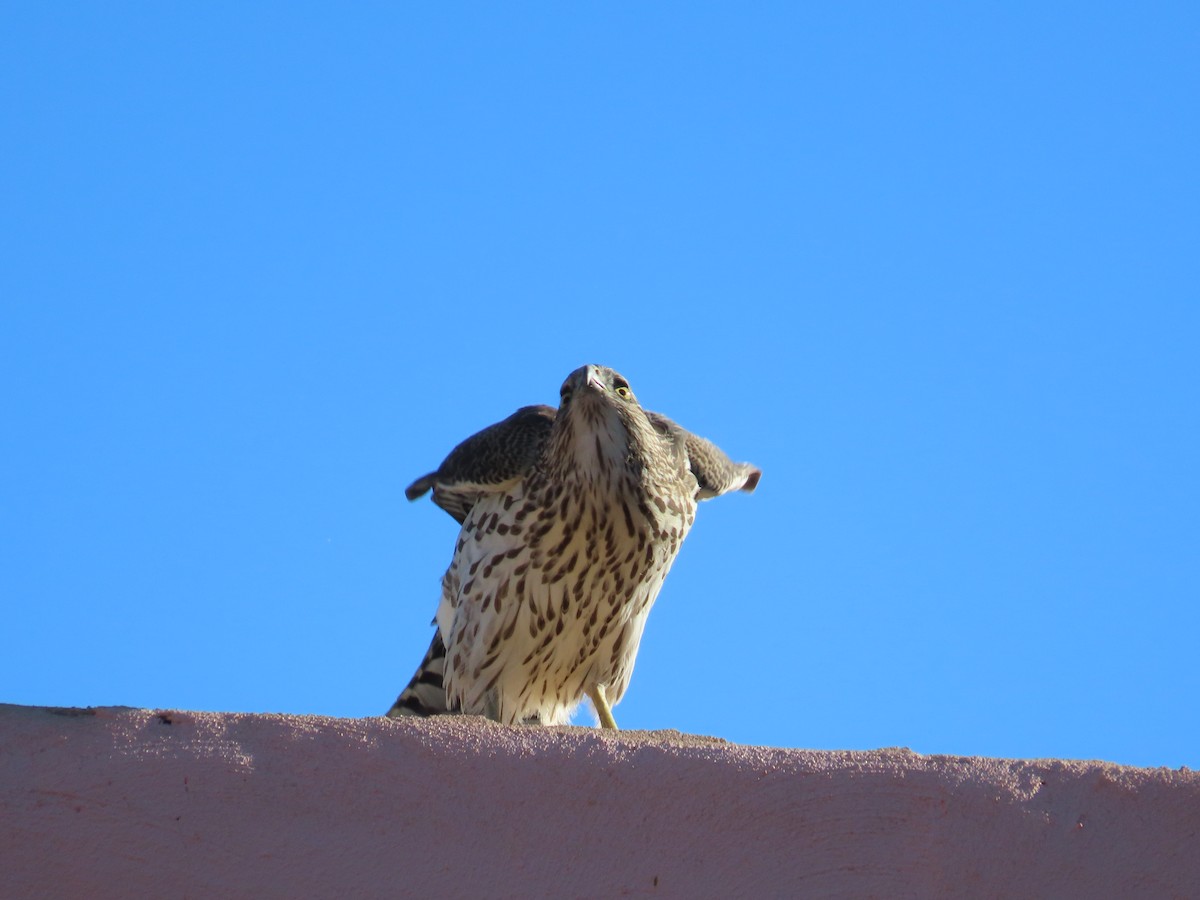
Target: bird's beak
point(593, 379)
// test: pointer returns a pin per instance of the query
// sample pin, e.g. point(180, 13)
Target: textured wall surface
point(116, 802)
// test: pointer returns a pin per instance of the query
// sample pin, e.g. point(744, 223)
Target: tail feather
point(426, 693)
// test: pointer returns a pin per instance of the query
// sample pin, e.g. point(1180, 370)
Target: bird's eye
point(623, 390)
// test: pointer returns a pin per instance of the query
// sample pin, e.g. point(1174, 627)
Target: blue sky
point(933, 267)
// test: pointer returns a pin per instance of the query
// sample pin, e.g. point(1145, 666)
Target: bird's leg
point(603, 710)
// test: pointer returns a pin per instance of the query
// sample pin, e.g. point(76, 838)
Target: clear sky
point(933, 267)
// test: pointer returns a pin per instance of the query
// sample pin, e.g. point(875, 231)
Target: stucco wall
point(120, 802)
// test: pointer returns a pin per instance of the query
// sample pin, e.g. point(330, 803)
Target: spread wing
point(493, 458)
point(486, 461)
point(715, 472)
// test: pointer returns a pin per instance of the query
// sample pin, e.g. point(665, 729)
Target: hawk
point(570, 519)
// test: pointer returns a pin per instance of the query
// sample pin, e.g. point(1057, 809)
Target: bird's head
point(589, 384)
point(600, 424)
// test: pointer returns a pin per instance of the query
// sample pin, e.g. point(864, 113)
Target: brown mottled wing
point(486, 461)
point(715, 472)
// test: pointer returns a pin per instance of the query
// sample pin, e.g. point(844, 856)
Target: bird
point(570, 520)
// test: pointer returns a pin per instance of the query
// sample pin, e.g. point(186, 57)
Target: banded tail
point(425, 694)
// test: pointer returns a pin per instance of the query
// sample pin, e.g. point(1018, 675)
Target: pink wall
point(123, 802)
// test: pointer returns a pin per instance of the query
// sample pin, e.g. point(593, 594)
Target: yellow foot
point(603, 710)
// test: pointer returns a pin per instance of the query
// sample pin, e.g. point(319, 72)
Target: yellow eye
point(623, 391)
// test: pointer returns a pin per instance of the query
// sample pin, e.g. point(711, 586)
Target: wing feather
point(715, 472)
point(487, 461)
